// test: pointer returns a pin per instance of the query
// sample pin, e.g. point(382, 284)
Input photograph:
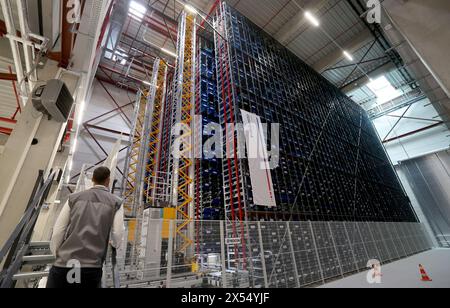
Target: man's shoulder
point(76, 195)
point(110, 195)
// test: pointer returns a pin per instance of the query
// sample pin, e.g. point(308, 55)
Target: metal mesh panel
point(369, 242)
point(388, 242)
point(409, 230)
point(396, 240)
point(343, 247)
point(402, 231)
point(278, 255)
point(258, 255)
point(357, 244)
point(379, 242)
point(309, 271)
point(281, 254)
point(426, 237)
point(327, 253)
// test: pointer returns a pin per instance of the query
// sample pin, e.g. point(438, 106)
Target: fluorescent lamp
point(137, 11)
point(168, 52)
point(81, 112)
point(74, 145)
point(191, 9)
point(348, 55)
point(312, 19)
point(148, 83)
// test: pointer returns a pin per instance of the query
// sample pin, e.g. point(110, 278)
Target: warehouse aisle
point(406, 274)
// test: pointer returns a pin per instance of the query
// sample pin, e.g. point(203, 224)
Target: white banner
point(258, 160)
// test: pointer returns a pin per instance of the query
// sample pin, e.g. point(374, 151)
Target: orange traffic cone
point(424, 274)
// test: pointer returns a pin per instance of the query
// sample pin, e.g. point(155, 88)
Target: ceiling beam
point(117, 84)
point(361, 40)
point(382, 70)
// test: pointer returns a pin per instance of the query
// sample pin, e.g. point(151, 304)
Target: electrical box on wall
point(54, 100)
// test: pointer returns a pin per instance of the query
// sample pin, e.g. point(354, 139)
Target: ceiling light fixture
point(348, 55)
point(168, 52)
point(137, 11)
point(191, 9)
point(312, 19)
point(81, 112)
point(148, 83)
point(74, 145)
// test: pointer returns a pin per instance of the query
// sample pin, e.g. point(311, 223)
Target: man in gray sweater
point(87, 224)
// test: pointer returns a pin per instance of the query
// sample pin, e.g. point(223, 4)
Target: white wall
point(87, 151)
point(425, 24)
point(429, 141)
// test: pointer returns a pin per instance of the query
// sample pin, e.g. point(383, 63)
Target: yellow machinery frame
point(185, 180)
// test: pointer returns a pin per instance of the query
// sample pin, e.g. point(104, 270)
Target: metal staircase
point(22, 259)
point(35, 263)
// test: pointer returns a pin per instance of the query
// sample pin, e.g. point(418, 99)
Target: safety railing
point(18, 243)
point(279, 254)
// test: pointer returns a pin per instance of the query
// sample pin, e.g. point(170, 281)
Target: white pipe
point(26, 48)
point(6, 10)
point(26, 42)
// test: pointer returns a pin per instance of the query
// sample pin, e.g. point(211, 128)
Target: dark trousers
point(90, 278)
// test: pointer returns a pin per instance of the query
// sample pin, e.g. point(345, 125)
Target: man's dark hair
point(101, 174)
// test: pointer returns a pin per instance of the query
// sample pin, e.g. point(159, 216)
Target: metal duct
point(413, 63)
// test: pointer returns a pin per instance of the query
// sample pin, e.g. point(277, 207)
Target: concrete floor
point(405, 273)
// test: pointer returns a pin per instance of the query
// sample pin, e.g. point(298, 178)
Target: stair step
point(43, 245)
point(38, 260)
point(32, 275)
point(40, 248)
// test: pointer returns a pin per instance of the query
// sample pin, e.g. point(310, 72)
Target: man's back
point(81, 234)
point(86, 235)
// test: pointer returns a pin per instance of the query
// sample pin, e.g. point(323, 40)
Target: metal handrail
point(18, 243)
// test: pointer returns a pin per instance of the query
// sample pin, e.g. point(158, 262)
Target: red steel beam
point(86, 127)
point(66, 35)
point(7, 76)
point(213, 8)
point(413, 118)
point(120, 74)
point(18, 109)
point(414, 132)
point(7, 120)
point(3, 30)
point(5, 131)
point(107, 113)
point(96, 164)
point(105, 24)
point(112, 82)
point(157, 26)
point(164, 17)
point(115, 101)
point(112, 131)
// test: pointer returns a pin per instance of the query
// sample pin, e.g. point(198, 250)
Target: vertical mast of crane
point(144, 150)
point(133, 167)
point(183, 177)
point(154, 141)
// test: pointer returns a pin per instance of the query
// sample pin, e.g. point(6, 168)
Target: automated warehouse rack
point(332, 164)
point(209, 202)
